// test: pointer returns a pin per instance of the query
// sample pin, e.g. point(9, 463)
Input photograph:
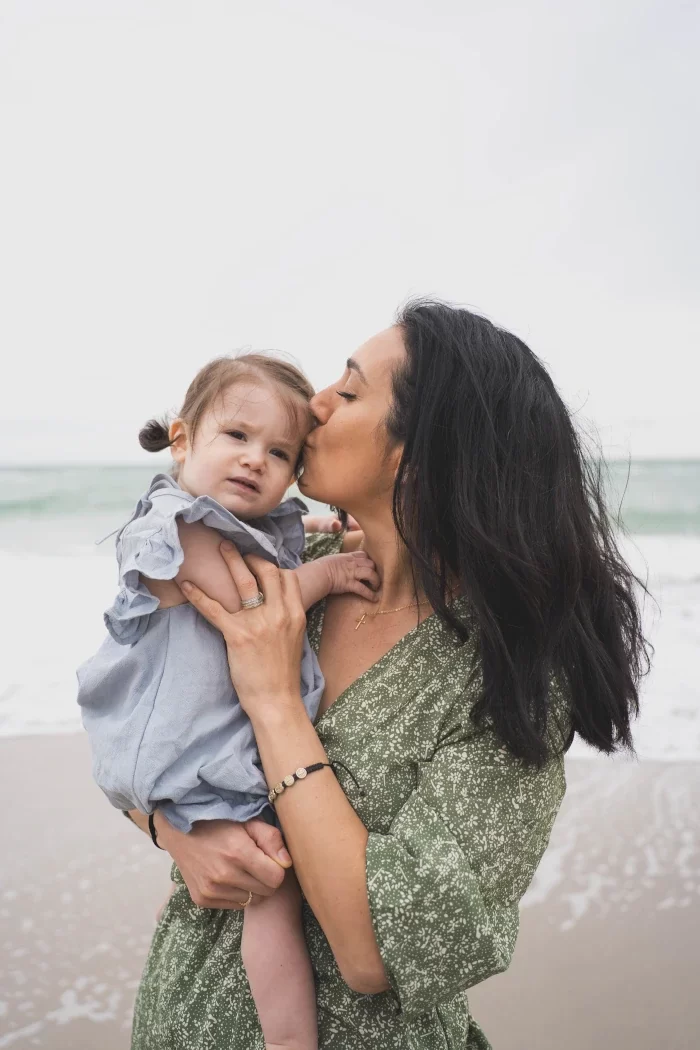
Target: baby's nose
point(253, 458)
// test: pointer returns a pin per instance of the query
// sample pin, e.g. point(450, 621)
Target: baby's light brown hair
point(215, 378)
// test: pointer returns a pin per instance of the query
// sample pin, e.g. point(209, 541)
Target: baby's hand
point(351, 574)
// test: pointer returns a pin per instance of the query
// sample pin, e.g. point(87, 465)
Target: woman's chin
point(307, 488)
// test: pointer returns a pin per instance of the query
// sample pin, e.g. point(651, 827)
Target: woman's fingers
point(210, 610)
point(222, 863)
point(248, 869)
point(222, 904)
point(233, 903)
point(225, 903)
point(243, 578)
point(269, 839)
point(263, 874)
point(291, 592)
point(268, 578)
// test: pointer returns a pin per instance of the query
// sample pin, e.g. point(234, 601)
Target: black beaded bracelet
point(152, 829)
point(299, 774)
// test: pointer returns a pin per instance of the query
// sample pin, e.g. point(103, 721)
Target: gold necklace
point(385, 612)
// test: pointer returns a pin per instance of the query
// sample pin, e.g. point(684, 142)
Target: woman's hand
point(221, 862)
point(264, 644)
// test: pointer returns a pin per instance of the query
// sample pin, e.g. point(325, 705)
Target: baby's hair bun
point(154, 436)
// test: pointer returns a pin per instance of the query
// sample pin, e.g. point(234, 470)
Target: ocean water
point(57, 580)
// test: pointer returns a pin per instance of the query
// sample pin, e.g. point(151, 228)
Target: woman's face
point(348, 459)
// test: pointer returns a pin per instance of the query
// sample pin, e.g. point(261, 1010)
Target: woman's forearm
point(327, 841)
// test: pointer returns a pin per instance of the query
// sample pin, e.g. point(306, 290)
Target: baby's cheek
point(280, 482)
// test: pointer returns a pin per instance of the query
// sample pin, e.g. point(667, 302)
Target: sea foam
point(51, 621)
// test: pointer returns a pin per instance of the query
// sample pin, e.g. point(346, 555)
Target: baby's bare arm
point(203, 566)
point(337, 574)
point(314, 582)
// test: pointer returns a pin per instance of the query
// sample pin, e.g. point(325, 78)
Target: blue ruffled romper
point(165, 725)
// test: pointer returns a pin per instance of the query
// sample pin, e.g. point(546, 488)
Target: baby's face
point(245, 449)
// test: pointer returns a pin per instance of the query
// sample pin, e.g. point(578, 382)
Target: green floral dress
point(456, 827)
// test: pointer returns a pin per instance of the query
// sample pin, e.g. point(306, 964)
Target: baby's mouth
point(246, 483)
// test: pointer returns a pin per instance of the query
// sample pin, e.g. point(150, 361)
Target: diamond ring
point(253, 603)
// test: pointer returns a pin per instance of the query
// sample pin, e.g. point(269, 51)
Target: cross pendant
point(361, 621)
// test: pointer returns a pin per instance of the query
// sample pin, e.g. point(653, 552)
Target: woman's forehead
point(379, 356)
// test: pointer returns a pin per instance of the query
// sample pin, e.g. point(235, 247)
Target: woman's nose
point(320, 407)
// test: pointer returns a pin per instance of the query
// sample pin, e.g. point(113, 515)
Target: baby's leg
point(279, 969)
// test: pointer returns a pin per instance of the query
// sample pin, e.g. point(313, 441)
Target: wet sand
point(609, 950)
point(608, 956)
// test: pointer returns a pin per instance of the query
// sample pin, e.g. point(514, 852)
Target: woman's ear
point(179, 440)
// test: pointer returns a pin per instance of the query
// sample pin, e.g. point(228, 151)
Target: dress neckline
point(407, 639)
point(401, 643)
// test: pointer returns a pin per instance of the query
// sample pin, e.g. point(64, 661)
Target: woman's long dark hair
point(494, 491)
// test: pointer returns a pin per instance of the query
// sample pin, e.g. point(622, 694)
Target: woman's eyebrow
point(354, 367)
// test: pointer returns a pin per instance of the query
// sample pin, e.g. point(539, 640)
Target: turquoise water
point(51, 518)
point(654, 497)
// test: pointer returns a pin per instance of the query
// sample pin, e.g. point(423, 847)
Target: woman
point(507, 622)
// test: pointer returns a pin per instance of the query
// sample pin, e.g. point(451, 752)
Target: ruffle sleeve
point(148, 545)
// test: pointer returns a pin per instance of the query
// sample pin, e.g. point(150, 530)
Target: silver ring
point(253, 603)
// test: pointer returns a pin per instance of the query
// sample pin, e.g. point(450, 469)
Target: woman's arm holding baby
point(222, 861)
point(325, 836)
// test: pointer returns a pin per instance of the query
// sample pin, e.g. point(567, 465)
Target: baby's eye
point(280, 453)
point(238, 434)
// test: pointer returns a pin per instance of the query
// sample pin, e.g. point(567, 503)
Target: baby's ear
point(179, 440)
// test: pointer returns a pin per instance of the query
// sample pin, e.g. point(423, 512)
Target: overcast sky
point(179, 180)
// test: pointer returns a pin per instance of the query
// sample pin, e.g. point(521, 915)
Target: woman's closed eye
point(347, 397)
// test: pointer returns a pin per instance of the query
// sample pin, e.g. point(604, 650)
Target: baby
point(165, 726)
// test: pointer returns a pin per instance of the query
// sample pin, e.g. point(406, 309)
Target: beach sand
point(608, 956)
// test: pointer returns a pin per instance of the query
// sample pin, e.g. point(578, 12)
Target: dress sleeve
point(445, 881)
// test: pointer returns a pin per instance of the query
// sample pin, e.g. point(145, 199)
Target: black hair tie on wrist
point(350, 773)
point(152, 829)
